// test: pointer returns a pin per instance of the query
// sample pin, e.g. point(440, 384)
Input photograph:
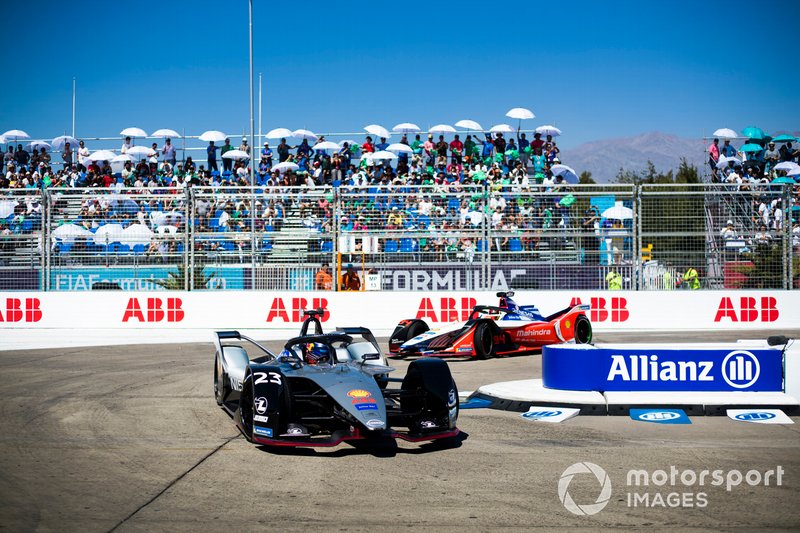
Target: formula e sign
point(637, 369)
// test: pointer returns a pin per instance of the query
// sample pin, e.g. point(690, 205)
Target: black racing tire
point(418, 327)
point(583, 330)
point(219, 382)
point(483, 341)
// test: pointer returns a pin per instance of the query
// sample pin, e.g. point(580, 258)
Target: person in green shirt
point(227, 164)
point(691, 279)
point(614, 280)
point(469, 149)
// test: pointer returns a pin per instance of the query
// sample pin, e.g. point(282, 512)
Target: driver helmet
point(317, 353)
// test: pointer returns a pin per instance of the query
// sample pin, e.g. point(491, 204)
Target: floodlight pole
point(73, 107)
point(252, 163)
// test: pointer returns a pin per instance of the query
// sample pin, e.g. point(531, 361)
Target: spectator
point(168, 152)
point(324, 279)
point(211, 155)
point(614, 280)
point(227, 164)
point(22, 157)
point(368, 147)
point(457, 151)
point(441, 151)
point(350, 280)
point(244, 147)
point(266, 153)
point(524, 152)
point(283, 151)
point(727, 149)
point(728, 232)
point(537, 142)
point(83, 155)
point(772, 156)
point(67, 155)
point(126, 145)
point(713, 157)
point(383, 145)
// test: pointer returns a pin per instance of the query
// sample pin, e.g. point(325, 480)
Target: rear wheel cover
point(583, 330)
point(484, 341)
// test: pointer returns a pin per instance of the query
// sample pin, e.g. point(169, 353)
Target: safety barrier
point(279, 312)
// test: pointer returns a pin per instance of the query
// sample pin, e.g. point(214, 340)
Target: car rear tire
point(483, 341)
point(418, 327)
point(219, 382)
point(583, 330)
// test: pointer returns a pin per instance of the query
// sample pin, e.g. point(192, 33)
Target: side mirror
point(370, 357)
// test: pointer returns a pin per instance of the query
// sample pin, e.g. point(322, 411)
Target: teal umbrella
point(784, 139)
point(750, 147)
point(751, 132)
point(782, 180)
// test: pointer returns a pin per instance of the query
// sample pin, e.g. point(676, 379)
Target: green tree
point(586, 178)
point(176, 281)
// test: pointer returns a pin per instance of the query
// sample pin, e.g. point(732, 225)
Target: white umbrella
point(406, 127)
point(212, 135)
point(133, 132)
point(60, 141)
point(547, 129)
point(286, 165)
point(442, 128)
point(16, 134)
point(236, 154)
point(68, 232)
point(469, 125)
point(140, 151)
point(618, 212)
point(327, 145)
point(795, 172)
point(122, 158)
point(723, 161)
point(501, 128)
point(2, 140)
point(378, 131)
point(136, 234)
point(278, 133)
point(108, 233)
point(7, 208)
point(787, 165)
point(520, 113)
point(102, 155)
point(568, 173)
point(399, 147)
point(305, 134)
point(38, 145)
point(726, 133)
point(165, 132)
point(383, 155)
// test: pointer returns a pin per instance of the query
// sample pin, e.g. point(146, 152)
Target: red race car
point(493, 331)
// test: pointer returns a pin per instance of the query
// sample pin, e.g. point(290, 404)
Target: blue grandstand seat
point(514, 245)
point(139, 248)
point(408, 245)
point(327, 246)
point(481, 245)
point(391, 247)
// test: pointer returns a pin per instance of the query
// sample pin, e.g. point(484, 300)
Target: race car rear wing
point(364, 332)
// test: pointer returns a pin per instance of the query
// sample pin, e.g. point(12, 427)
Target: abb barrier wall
point(380, 311)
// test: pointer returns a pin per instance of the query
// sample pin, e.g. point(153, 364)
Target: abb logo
point(748, 310)
point(278, 309)
point(447, 311)
point(154, 311)
point(15, 311)
point(617, 310)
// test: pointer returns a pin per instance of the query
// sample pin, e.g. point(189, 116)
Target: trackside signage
point(637, 369)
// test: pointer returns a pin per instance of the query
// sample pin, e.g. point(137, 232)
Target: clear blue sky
point(595, 69)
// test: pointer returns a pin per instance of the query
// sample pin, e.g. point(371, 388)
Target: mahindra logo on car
point(278, 310)
point(19, 310)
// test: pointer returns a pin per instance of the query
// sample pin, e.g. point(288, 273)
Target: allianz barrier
point(660, 368)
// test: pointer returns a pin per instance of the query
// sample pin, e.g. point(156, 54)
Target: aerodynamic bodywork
point(326, 388)
point(491, 331)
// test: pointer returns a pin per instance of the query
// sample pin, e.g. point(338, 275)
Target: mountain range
point(605, 158)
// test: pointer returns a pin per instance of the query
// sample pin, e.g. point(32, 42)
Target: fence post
point(787, 237)
point(487, 232)
point(188, 257)
point(637, 237)
point(46, 258)
point(335, 228)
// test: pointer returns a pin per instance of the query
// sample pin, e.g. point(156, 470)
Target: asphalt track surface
point(129, 438)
